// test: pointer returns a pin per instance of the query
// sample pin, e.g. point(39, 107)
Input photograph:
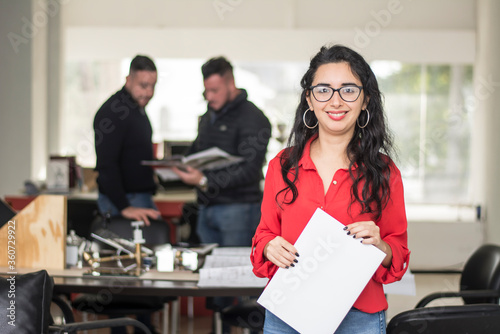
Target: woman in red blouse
point(337, 159)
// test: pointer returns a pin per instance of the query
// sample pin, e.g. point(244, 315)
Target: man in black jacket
point(122, 140)
point(229, 198)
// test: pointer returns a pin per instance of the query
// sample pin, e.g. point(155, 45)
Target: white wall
point(487, 117)
point(15, 96)
point(404, 30)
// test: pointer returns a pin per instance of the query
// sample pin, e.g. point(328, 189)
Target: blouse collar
point(306, 161)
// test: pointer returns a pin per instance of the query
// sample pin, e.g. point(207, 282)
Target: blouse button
point(334, 182)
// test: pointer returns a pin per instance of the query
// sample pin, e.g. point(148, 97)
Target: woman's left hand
point(367, 230)
point(369, 233)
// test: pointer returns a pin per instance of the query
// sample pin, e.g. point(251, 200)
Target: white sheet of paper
point(233, 251)
point(406, 286)
point(220, 261)
point(241, 276)
point(333, 269)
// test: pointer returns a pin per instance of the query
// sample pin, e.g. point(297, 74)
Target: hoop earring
point(367, 120)
point(304, 120)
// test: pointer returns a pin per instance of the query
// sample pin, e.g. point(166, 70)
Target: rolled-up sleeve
point(393, 230)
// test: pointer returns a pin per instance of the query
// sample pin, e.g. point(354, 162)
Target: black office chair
point(480, 292)
point(25, 306)
point(456, 319)
point(116, 305)
point(480, 279)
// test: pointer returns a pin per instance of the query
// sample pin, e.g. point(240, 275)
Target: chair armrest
point(96, 324)
point(65, 309)
point(462, 294)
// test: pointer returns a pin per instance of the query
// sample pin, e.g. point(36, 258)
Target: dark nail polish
point(348, 232)
point(361, 241)
point(292, 264)
point(345, 228)
point(287, 267)
point(295, 261)
point(354, 236)
point(296, 254)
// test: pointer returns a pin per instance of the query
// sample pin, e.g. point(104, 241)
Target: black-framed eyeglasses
point(349, 93)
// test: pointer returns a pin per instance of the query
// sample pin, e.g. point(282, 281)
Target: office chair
point(115, 305)
point(480, 292)
point(456, 319)
point(480, 279)
point(25, 302)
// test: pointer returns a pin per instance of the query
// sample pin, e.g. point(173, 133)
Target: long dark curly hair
point(366, 146)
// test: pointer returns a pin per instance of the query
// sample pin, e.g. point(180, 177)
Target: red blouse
point(289, 221)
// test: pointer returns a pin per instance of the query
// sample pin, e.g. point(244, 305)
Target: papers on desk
point(221, 261)
point(241, 276)
point(233, 251)
point(229, 267)
point(406, 286)
point(333, 269)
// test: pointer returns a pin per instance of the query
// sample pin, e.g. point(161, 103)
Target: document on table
point(241, 276)
point(229, 267)
point(218, 261)
point(333, 269)
point(406, 286)
point(232, 251)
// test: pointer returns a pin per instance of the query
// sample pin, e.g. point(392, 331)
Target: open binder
point(212, 158)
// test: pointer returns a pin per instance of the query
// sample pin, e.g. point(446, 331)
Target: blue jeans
point(228, 224)
point(355, 322)
point(140, 200)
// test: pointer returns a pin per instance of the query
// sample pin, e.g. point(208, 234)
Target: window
point(428, 108)
point(178, 100)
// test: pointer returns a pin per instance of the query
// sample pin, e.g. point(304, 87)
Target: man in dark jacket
point(229, 198)
point(122, 140)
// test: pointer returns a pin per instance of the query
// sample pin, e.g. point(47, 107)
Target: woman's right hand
point(281, 253)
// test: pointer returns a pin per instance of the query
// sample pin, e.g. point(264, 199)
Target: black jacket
point(122, 140)
point(240, 129)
